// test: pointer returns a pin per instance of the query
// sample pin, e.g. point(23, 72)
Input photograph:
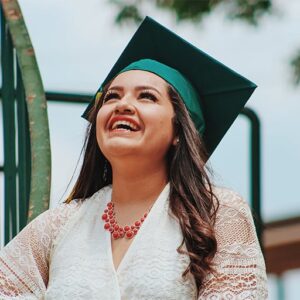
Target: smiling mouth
point(122, 125)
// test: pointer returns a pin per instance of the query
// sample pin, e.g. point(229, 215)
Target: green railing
point(255, 170)
point(27, 159)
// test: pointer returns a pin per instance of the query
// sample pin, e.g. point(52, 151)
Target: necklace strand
point(117, 231)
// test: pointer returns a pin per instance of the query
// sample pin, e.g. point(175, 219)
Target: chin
point(119, 148)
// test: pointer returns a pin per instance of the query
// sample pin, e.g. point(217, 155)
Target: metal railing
point(27, 159)
point(255, 170)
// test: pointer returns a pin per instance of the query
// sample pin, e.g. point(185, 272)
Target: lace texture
point(66, 254)
point(24, 262)
point(239, 263)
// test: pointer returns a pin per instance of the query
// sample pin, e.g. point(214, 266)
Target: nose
point(124, 107)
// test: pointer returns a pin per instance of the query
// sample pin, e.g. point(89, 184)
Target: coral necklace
point(117, 231)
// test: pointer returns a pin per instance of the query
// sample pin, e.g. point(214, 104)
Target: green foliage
point(250, 10)
point(194, 10)
point(188, 10)
point(128, 13)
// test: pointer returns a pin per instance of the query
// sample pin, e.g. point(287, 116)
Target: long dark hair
point(192, 200)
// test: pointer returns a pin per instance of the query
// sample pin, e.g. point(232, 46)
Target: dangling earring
point(176, 142)
point(105, 170)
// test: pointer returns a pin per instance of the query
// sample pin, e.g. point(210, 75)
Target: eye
point(148, 95)
point(111, 95)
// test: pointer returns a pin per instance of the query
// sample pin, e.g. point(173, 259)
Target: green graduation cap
point(217, 93)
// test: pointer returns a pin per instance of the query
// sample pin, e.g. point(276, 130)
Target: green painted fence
point(27, 163)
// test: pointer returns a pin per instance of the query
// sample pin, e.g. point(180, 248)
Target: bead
point(111, 229)
point(106, 210)
point(129, 234)
point(106, 226)
point(121, 234)
point(104, 216)
point(110, 212)
point(110, 204)
point(135, 231)
point(112, 221)
point(142, 220)
point(137, 223)
point(126, 228)
point(115, 235)
point(116, 227)
point(145, 215)
point(132, 226)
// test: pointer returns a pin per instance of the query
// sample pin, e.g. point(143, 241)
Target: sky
point(77, 42)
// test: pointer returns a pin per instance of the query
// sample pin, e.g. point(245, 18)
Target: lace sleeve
point(24, 261)
point(239, 264)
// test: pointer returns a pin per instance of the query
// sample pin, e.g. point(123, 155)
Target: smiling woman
point(143, 220)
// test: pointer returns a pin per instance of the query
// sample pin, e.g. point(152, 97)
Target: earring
point(176, 142)
point(105, 170)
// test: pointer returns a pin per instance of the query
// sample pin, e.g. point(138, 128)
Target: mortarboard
point(221, 91)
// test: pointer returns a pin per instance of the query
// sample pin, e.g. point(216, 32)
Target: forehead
point(134, 78)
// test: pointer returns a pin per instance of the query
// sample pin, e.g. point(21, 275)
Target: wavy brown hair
point(192, 200)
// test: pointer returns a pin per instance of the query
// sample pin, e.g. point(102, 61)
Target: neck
point(138, 184)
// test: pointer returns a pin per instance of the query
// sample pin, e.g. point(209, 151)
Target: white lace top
point(65, 253)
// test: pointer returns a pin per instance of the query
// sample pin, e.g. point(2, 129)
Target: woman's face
point(136, 117)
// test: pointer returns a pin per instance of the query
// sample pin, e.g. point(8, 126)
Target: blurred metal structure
point(27, 159)
point(255, 170)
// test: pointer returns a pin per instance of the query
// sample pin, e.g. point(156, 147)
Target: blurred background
point(77, 42)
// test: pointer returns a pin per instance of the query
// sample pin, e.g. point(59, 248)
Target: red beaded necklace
point(117, 231)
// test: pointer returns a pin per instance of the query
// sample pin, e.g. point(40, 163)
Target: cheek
point(101, 120)
point(102, 117)
point(162, 125)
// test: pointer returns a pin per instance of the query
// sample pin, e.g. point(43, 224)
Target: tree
point(249, 11)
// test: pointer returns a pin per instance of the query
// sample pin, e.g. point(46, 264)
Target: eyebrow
point(138, 88)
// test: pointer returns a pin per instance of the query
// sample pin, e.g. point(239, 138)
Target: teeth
point(131, 125)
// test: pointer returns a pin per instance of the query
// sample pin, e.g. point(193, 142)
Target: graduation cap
point(221, 93)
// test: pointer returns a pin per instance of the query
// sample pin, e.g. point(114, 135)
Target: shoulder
point(228, 197)
point(46, 226)
point(230, 201)
point(234, 219)
point(58, 214)
point(58, 219)
point(64, 211)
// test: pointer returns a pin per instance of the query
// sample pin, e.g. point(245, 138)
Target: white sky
point(77, 42)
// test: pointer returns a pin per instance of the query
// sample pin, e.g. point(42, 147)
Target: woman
point(143, 220)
